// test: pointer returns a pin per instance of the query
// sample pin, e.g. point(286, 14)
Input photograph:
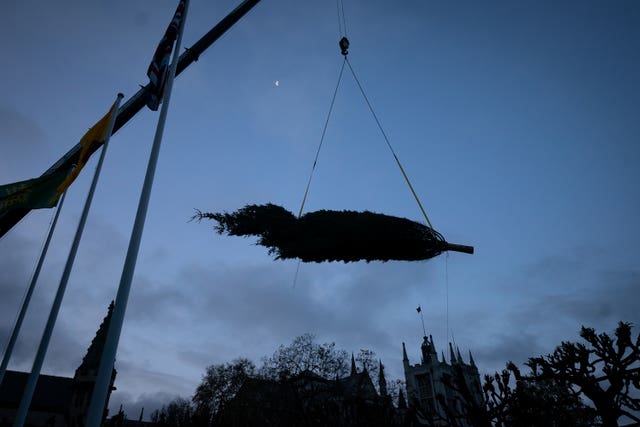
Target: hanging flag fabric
point(159, 67)
point(44, 191)
point(90, 142)
point(33, 193)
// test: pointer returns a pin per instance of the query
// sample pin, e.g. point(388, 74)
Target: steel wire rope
point(324, 131)
point(315, 160)
point(342, 29)
point(373, 113)
point(342, 19)
point(339, 20)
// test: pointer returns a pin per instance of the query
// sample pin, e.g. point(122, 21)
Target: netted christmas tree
point(333, 235)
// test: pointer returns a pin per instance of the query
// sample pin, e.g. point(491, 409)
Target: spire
point(452, 356)
point(443, 359)
point(471, 361)
point(91, 360)
point(402, 403)
point(382, 381)
point(404, 354)
point(459, 356)
point(432, 346)
point(354, 371)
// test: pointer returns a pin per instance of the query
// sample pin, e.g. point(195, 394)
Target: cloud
point(21, 137)
point(613, 298)
point(133, 405)
point(83, 308)
point(13, 283)
point(177, 325)
point(213, 315)
point(224, 313)
point(553, 298)
point(20, 133)
point(515, 347)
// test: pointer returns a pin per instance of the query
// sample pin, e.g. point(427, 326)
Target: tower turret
point(471, 361)
point(426, 383)
point(405, 359)
point(85, 376)
point(91, 360)
point(432, 347)
point(452, 356)
point(425, 349)
point(382, 381)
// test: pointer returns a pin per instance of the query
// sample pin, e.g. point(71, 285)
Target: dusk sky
point(517, 122)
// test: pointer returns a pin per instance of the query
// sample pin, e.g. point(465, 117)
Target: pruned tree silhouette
point(579, 384)
point(605, 370)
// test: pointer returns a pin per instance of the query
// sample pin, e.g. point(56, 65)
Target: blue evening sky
point(517, 123)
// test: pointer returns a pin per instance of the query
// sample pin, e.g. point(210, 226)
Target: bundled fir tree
point(333, 235)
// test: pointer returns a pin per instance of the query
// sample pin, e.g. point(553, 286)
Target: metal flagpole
point(27, 297)
point(23, 409)
point(102, 385)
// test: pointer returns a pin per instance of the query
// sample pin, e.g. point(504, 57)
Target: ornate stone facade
point(428, 383)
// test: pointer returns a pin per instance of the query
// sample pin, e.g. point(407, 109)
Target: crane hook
point(344, 45)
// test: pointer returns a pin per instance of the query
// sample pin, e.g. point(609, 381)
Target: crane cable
point(324, 131)
point(344, 47)
point(342, 20)
point(384, 134)
point(342, 29)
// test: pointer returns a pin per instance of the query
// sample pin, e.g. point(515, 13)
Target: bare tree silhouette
point(606, 371)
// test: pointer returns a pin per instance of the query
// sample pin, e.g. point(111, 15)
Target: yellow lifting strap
point(387, 141)
point(415, 196)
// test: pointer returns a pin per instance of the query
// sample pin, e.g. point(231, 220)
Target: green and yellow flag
point(33, 193)
point(44, 191)
point(90, 142)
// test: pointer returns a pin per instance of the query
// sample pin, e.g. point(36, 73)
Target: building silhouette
point(57, 401)
point(433, 387)
point(310, 400)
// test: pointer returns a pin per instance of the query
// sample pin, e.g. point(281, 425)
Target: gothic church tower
point(426, 382)
point(86, 374)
